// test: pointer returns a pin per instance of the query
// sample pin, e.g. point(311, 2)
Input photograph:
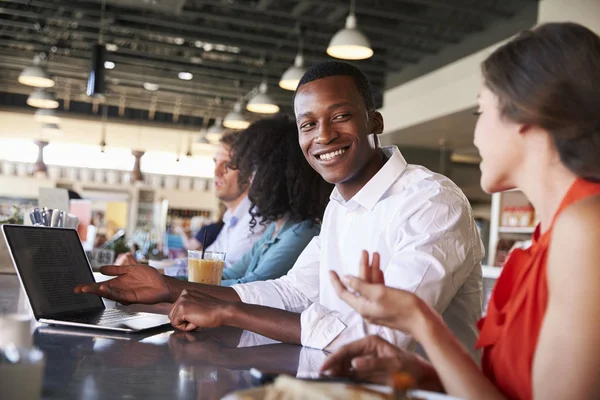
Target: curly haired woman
point(286, 194)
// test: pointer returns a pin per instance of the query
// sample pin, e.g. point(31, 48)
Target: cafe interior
point(111, 112)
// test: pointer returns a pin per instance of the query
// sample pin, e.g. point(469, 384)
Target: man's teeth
point(329, 156)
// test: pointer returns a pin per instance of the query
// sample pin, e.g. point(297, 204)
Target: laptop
point(50, 262)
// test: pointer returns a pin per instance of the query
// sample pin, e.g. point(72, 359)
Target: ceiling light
point(109, 65)
point(153, 87)
point(208, 46)
point(235, 119)
point(51, 130)
point(111, 47)
point(46, 115)
point(42, 99)
point(185, 76)
point(214, 133)
point(202, 139)
point(179, 40)
point(262, 102)
point(35, 75)
point(198, 43)
point(350, 43)
point(291, 77)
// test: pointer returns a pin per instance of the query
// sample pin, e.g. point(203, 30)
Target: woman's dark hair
point(550, 77)
point(283, 183)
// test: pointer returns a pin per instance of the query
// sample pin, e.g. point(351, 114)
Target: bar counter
point(160, 364)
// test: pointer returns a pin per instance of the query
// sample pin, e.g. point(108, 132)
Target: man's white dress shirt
point(236, 238)
point(422, 226)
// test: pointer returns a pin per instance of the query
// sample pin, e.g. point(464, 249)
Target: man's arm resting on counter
point(274, 323)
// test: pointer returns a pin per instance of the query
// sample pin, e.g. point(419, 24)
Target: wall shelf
point(518, 230)
point(510, 198)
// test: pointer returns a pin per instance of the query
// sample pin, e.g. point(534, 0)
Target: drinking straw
point(204, 243)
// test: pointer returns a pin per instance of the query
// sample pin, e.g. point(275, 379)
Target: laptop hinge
point(58, 316)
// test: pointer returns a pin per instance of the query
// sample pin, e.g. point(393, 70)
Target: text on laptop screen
point(50, 262)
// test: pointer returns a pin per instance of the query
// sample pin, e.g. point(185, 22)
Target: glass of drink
point(207, 270)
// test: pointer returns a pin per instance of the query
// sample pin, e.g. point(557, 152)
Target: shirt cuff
point(246, 294)
point(319, 326)
point(310, 363)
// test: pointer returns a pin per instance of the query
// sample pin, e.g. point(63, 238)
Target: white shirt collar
point(231, 218)
point(376, 187)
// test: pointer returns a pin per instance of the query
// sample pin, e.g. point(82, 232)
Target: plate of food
point(289, 388)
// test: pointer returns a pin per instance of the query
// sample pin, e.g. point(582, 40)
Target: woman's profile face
point(499, 143)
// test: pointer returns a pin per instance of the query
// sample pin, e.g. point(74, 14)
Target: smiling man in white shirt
point(420, 223)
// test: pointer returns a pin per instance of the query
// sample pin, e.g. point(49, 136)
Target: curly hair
point(283, 182)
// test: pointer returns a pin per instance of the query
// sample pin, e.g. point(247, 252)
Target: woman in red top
point(538, 130)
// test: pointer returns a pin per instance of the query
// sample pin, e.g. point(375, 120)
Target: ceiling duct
point(158, 6)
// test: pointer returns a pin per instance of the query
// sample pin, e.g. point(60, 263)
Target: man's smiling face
point(337, 133)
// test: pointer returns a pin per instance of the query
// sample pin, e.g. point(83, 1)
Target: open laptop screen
point(50, 262)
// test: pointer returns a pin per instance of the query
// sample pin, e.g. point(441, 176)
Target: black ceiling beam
point(76, 69)
point(128, 57)
point(368, 66)
point(462, 6)
point(257, 19)
point(318, 24)
point(382, 12)
point(190, 105)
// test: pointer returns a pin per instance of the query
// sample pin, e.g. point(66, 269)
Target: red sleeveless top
point(509, 331)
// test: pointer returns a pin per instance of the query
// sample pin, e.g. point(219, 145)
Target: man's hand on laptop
point(133, 284)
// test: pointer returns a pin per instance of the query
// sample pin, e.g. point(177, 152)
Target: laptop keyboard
point(108, 316)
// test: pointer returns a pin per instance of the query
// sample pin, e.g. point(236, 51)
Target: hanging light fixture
point(202, 140)
point(36, 75)
point(291, 77)
point(235, 119)
point(350, 43)
point(42, 99)
point(46, 115)
point(214, 133)
point(262, 103)
point(51, 130)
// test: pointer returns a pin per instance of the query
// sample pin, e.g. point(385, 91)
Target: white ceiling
point(455, 131)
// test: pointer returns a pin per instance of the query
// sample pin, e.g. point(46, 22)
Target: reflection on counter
point(178, 365)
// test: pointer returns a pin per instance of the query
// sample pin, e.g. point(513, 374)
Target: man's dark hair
point(284, 183)
point(229, 138)
point(338, 68)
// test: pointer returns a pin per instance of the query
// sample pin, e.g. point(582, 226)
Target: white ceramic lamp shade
point(350, 43)
point(291, 77)
point(262, 102)
point(36, 76)
point(46, 115)
point(235, 119)
point(51, 130)
point(214, 133)
point(42, 99)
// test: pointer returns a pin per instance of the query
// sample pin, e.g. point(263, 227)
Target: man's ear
point(376, 123)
